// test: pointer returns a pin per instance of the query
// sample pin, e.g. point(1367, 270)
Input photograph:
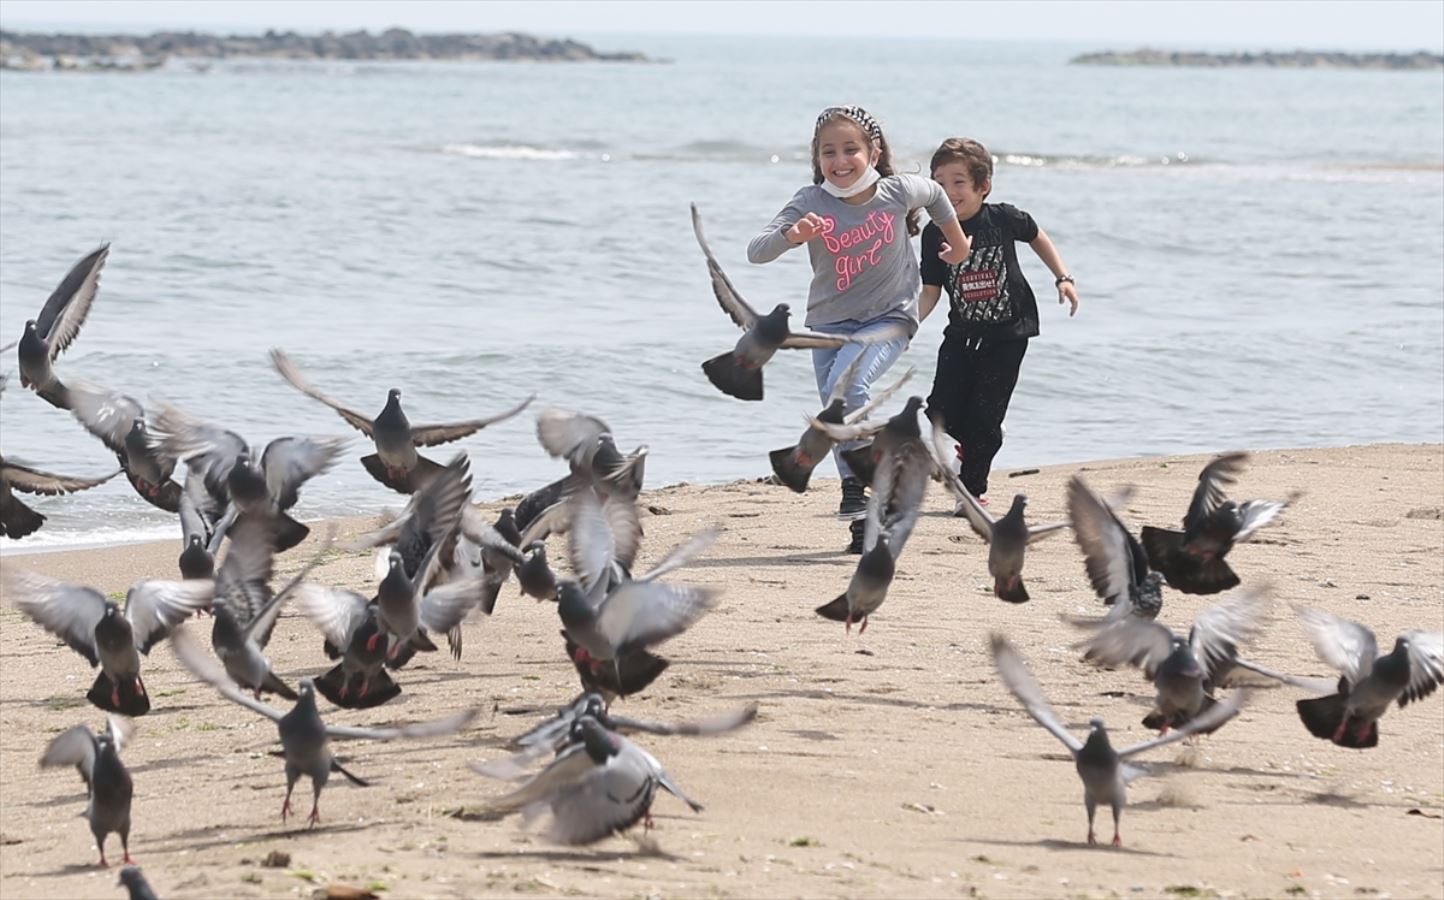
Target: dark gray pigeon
point(738, 373)
point(134, 882)
point(238, 481)
point(57, 326)
point(197, 526)
point(601, 785)
point(586, 443)
point(119, 422)
point(535, 574)
point(97, 757)
point(793, 465)
point(1192, 560)
point(1117, 566)
point(1368, 681)
point(1103, 770)
point(97, 629)
point(1007, 538)
point(396, 463)
point(18, 520)
point(1184, 670)
point(304, 736)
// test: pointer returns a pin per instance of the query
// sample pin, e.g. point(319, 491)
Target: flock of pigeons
point(439, 562)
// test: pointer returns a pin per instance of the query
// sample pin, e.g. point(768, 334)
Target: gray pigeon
point(353, 635)
point(47, 336)
point(134, 882)
point(738, 373)
point(535, 575)
point(304, 737)
point(1192, 560)
point(793, 465)
point(586, 443)
point(601, 785)
point(1117, 566)
point(97, 629)
point(396, 463)
point(197, 526)
point(1368, 681)
point(608, 618)
point(1103, 770)
point(240, 483)
point(18, 520)
point(1007, 538)
point(119, 422)
point(553, 735)
point(97, 756)
point(1184, 670)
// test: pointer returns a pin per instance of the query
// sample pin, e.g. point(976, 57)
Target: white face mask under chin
point(867, 179)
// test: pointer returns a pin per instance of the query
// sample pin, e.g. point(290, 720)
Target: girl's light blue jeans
point(829, 364)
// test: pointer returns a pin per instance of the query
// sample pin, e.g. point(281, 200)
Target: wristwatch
point(1058, 282)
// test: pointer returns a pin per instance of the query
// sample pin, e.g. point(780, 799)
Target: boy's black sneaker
point(857, 527)
point(854, 500)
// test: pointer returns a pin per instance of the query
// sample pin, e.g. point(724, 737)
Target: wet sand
point(890, 763)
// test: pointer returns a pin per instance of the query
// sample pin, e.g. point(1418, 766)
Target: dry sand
point(886, 764)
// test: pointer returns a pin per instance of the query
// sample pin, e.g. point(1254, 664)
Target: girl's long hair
point(876, 140)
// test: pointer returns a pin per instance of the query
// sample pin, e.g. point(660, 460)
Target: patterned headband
point(857, 114)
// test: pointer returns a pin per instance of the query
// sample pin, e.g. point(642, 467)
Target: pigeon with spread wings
point(17, 519)
point(395, 463)
point(107, 781)
point(118, 420)
point(738, 372)
point(57, 326)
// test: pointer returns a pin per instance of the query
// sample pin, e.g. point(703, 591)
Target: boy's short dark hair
point(968, 152)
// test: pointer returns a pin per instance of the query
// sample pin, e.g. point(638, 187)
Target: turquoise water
point(1259, 253)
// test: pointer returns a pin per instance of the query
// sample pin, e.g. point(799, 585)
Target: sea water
point(1259, 253)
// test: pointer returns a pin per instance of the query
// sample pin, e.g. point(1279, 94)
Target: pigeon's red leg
point(1117, 841)
point(1341, 730)
point(286, 806)
point(864, 625)
point(848, 621)
point(1092, 838)
point(315, 818)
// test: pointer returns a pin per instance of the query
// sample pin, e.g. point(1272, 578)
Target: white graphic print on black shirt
point(981, 283)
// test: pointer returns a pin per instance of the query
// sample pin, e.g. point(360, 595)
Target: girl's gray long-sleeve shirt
point(863, 267)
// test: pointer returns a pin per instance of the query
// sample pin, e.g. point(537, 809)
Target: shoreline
point(884, 763)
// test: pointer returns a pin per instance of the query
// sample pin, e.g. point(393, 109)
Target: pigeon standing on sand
point(1192, 560)
point(1007, 538)
point(58, 324)
point(1117, 566)
point(304, 736)
point(1103, 770)
point(738, 372)
point(601, 785)
point(18, 520)
point(1184, 670)
point(1368, 681)
point(97, 629)
point(119, 422)
point(97, 756)
point(395, 463)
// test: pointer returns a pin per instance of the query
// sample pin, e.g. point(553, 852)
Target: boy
point(992, 313)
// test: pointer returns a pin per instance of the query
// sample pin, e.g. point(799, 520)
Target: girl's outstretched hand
point(807, 228)
point(953, 256)
point(1069, 294)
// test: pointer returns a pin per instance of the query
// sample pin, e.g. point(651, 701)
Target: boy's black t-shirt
point(990, 297)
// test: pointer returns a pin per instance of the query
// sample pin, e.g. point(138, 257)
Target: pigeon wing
point(1345, 645)
point(1021, 683)
point(1210, 719)
point(1426, 665)
point(431, 435)
point(288, 370)
point(33, 481)
point(68, 611)
point(108, 415)
point(1110, 553)
point(737, 309)
point(1221, 629)
point(641, 614)
point(335, 613)
point(155, 607)
point(289, 462)
point(1209, 495)
point(65, 310)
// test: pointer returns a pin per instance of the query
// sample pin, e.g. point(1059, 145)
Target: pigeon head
point(393, 394)
point(594, 705)
point(30, 326)
point(1020, 502)
point(572, 604)
point(1096, 724)
point(195, 541)
point(906, 422)
point(306, 687)
point(599, 742)
point(130, 877)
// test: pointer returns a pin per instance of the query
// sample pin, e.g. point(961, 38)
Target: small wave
point(510, 151)
point(50, 541)
point(1091, 161)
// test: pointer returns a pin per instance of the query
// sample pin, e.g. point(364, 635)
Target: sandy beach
point(891, 763)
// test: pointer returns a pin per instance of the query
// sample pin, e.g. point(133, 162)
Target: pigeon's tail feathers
point(862, 463)
point(1161, 545)
point(421, 473)
point(488, 598)
point(1154, 720)
point(836, 610)
point(133, 701)
point(278, 687)
point(289, 532)
point(732, 378)
point(454, 638)
point(21, 520)
point(789, 471)
point(379, 689)
point(377, 469)
point(359, 782)
point(1014, 593)
point(1324, 718)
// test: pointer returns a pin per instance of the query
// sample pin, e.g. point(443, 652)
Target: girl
point(855, 219)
